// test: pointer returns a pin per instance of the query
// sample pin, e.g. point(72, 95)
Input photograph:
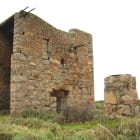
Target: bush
point(80, 112)
point(84, 135)
point(44, 115)
point(28, 122)
point(6, 136)
point(31, 113)
point(99, 105)
point(6, 132)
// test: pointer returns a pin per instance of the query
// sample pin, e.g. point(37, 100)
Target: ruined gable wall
point(4, 72)
point(36, 61)
point(42, 61)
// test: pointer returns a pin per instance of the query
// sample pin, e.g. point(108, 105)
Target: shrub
point(28, 122)
point(84, 135)
point(29, 113)
point(44, 115)
point(6, 136)
point(99, 105)
point(79, 112)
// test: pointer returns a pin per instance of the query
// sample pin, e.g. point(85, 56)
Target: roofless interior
point(6, 49)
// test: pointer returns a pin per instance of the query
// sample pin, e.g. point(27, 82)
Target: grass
point(35, 126)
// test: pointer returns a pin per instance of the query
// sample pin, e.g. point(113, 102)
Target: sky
point(114, 25)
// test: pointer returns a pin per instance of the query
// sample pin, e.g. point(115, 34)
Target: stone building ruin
point(120, 97)
point(42, 67)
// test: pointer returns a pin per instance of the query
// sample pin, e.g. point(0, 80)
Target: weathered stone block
point(33, 64)
point(19, 56)
point(53, 105)
point(110, 98)
point(126, 99)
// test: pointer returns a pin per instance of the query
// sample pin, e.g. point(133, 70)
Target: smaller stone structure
point(120, 95)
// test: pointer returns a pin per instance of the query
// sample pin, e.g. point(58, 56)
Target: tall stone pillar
point(120, 95)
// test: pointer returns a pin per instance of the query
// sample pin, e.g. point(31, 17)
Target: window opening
point(62, 61)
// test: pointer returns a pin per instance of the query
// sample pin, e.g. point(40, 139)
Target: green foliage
point(34, 125)
point(6, 136)
point(99, 105)
point(79, 112)
point(84, 135)
point(31, 113)
point(44, 115)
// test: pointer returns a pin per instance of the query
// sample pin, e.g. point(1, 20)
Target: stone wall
point(50, 68)
point(5, 64)
point(120, 95)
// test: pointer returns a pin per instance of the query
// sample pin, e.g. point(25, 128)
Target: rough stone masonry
point(121, 95)
point(42, 67)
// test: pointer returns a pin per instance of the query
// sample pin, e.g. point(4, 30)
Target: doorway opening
point(61, 99)
point(6, 50)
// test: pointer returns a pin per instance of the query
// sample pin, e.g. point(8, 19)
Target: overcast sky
point(114, 25)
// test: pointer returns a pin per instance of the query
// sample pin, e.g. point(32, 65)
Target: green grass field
point(51, 127)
